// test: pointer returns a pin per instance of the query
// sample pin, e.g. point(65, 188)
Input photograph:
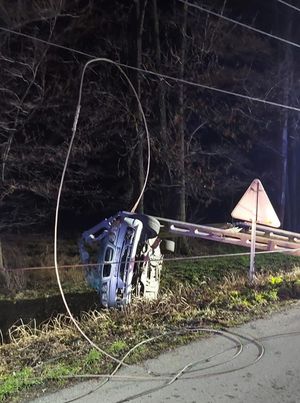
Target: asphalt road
point(222, 368)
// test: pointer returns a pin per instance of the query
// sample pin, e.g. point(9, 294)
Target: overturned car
point(122, 256)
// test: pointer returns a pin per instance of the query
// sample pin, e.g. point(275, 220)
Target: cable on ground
point(172, 377)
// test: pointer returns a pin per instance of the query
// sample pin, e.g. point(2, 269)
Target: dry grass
point(197, 294)
point(37, 251)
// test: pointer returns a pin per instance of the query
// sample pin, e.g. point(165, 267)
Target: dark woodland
point(206, 147)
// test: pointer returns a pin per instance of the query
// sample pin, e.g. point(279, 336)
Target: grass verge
point(204, 293)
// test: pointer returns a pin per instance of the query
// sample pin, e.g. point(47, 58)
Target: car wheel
point(151, 226)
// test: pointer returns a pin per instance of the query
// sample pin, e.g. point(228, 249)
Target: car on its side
point(122, 255)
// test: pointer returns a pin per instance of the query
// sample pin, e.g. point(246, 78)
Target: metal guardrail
point(267, 238)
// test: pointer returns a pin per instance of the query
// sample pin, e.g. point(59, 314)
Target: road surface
point(232, 369)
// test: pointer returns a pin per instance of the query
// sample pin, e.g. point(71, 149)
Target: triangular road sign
point(256, 206)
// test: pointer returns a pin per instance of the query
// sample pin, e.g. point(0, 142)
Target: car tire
point(151, 226)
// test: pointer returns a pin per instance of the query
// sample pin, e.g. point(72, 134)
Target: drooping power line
point(164, 76)
point(288, 5)
point(241, 24)
point(79, 52)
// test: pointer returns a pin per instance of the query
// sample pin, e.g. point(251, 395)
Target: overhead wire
point(78, 111)
point(158, 75)
point(241, 24)
point(288, 5)
point(56, 45)
point(189, 4)
point(168, 77)
point(73, 135)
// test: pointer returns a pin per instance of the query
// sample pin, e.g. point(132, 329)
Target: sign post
point(255, 207)
point(252, 252)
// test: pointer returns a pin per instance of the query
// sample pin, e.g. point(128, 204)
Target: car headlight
point(104, 287)
point(112, 236)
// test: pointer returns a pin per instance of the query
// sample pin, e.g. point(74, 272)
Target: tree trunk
point(284, 160)
point(162, 86)
point(182, 244)
point(140, 15)
point(292, 206)
point(286, 69)
point(181, 126)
